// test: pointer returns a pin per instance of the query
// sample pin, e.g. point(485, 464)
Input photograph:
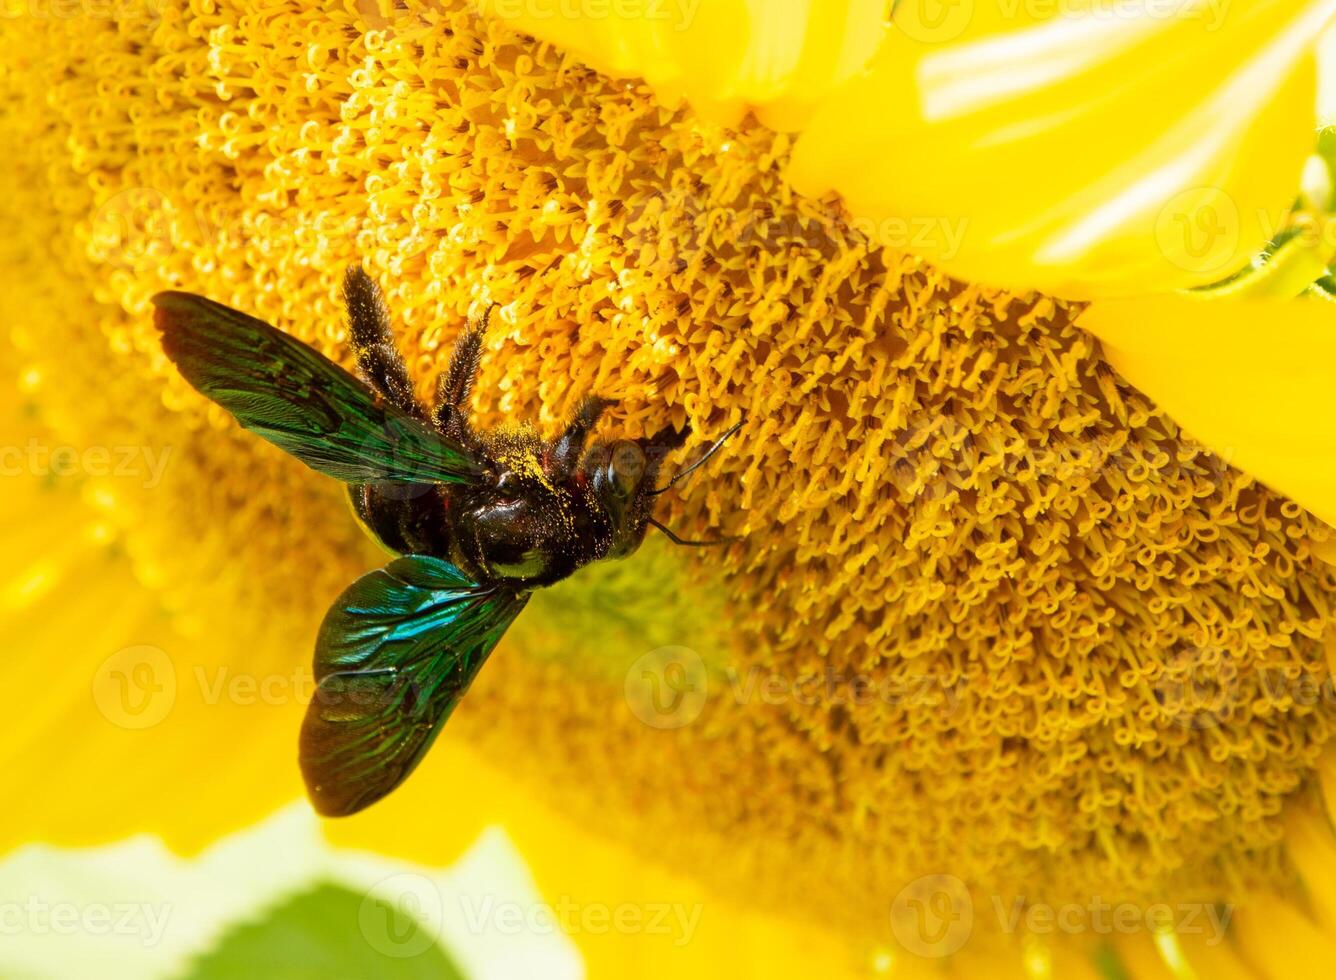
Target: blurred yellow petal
point(1252, 380)
point(125, 724)
point(1326, 99)
point(1280, 942)
point(1326, 778)
point(1212, 958)
point(1116, 150)
point(778, 57)
point(1312, 847)
point(1142, 959)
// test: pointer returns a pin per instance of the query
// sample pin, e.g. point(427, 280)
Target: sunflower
point(1022, 666)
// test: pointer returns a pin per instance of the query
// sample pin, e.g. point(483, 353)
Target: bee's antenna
point(690, 544)
point(683, 474)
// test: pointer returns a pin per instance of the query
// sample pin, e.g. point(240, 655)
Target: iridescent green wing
point(300, 400)
point(395, 654)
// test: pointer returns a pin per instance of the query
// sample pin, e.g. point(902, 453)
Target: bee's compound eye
point(626, 467)
point(508, 482)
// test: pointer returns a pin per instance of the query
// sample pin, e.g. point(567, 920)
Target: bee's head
point(547, 510)
point(621, 476)
point(550, 508)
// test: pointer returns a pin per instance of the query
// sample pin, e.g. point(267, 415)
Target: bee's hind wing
point(396, 652)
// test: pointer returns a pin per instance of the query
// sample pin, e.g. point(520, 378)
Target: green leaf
point(1108, 965)
point(327, 933)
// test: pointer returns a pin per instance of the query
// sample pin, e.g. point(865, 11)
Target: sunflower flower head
point(995, 611)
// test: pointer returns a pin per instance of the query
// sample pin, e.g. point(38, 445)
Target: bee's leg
point(453, 387)
point(566, 453)
point(369, 330)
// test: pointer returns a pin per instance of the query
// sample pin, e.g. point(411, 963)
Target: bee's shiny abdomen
point(403, 518)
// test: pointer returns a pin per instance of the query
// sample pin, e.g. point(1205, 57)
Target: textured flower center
point(995, 615)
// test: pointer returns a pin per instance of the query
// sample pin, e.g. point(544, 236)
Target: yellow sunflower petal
point(1326, 97)
point(1280, 942)
point(1252, 380)
point(1211, 957)
point(1326, 774)
point(1312, 847)
point(1114, 151)
point(1141, 958)
point(779, 57)
point(123, 724)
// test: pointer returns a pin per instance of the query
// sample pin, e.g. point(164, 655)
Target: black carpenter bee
point(481, 519)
